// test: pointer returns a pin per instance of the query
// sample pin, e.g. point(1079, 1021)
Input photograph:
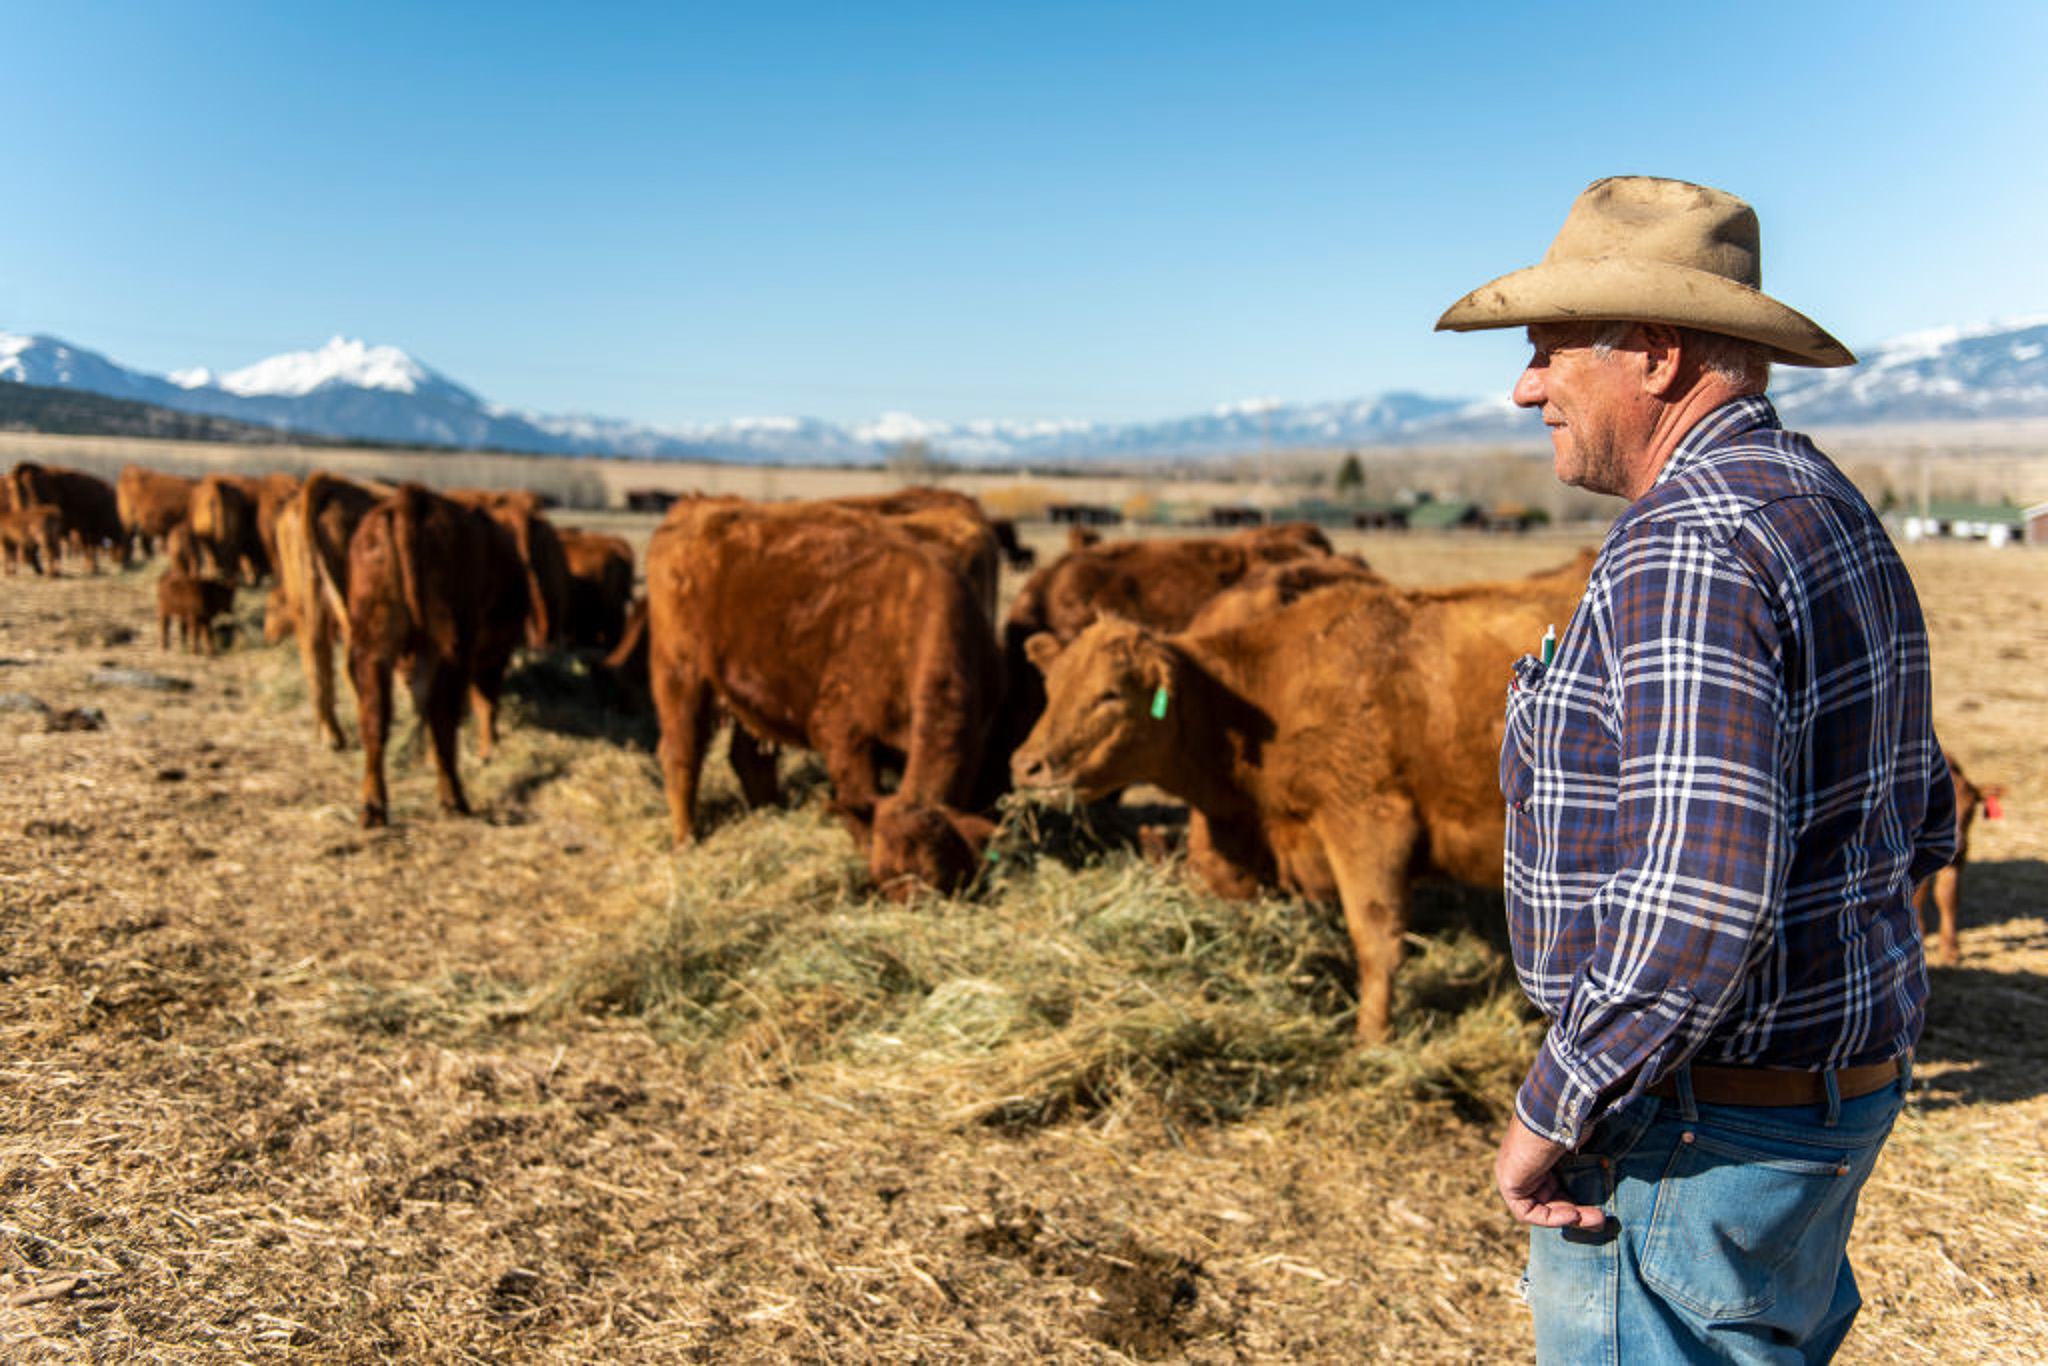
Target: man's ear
point(1662, 355)
point(1043, 648)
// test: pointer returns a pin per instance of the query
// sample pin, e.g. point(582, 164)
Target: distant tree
point(1351, 476)
point(913, 461)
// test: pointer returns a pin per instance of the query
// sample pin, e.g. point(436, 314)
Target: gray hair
point(1744, 364)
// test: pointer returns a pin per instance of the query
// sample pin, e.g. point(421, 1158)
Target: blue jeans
point(1726, 1238)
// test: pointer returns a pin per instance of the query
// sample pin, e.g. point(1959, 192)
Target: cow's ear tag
point(1159, 703)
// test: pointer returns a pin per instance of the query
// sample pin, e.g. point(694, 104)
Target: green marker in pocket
point(1549, 643)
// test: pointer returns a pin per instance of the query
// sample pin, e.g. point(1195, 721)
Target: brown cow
point(1946, 886)
point(1331, 748)
point(546, 569)
point(1157, 583)
point(33, 536)
point(600, 588)
point(1016, 554)
point(150, 503)
point(821, 626)
point(436, 582)
point(193, 603)
point(951, 524)
point(226, 527)
point(87, 503)
point(313, 532)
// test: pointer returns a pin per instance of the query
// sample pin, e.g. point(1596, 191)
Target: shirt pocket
point(1517, 746)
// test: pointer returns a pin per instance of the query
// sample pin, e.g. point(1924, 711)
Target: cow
point(1272, 586)
point(438, 583)
point(1156, 583)
point(950, 524)
point(87, 503)
point(192, 603)
point(600, 588)
point(522, 513)
point(1016, 554)
point(1946, 886)
point(33, 536)
point(226, 515)
point(821, 626)
point(1331, 748)
point(149, 504)
point(313, 532)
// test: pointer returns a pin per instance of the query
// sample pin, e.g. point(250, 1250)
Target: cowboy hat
point(1645, 249)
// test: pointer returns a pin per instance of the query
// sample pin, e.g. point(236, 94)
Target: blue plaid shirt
point(1724, 787)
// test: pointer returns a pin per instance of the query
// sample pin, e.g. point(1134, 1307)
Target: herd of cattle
point(1333, 734)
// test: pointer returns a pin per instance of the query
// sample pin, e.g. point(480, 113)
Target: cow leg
point(687, 709)
point(1947, 886)
point(753, 763)
point(163, 630)
point(484, 706)
point(316, 657)
point(439, 704)
point(856, 780)
point(1368, 849)
point(205, 631)
point(372, 677)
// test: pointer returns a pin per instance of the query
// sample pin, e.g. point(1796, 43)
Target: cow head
point(1108, 719)
point(278, 621)
point(917, 846)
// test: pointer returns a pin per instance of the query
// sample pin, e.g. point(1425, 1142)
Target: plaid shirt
point(1725, 786)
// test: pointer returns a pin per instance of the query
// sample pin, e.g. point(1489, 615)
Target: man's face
point(1592, 404)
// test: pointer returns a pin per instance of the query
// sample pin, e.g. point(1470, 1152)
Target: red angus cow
point(437, 583)
point(826, 627)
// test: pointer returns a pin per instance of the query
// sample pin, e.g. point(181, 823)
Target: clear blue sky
point(688, 213)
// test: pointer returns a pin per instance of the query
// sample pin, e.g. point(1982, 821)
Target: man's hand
point(1529, 1186)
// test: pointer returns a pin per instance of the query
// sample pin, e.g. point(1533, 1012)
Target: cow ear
point(1043, 648)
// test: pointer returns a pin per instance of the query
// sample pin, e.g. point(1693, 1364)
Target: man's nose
point(1529, 389)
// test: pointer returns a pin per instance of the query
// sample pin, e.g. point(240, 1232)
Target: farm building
point(1235, 514)
point(2037, 524)
point(1083, 514)
point(1381, 517)
point(1995, 523)
point(1443, 515)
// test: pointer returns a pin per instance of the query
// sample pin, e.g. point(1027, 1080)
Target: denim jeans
point(1726, 1237)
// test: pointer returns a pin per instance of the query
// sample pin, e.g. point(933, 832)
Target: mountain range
point(347, 389)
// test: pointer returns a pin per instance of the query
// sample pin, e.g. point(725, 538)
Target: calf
point(33, 536)
point(1946, 887)
point(193, 603)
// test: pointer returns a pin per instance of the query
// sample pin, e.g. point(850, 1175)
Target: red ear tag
point(1992, 811)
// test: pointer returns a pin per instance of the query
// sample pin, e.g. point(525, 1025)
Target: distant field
point(531, 1086)
point(1978, 462)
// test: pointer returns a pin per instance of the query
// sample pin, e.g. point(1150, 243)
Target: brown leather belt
point(1776, 1086)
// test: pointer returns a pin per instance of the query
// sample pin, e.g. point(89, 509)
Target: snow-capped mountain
point(350, 389)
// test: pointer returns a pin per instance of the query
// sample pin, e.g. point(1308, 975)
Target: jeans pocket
point(1732, 1211)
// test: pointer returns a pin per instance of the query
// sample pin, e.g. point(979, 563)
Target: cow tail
point(405, 531)
point(313, 566)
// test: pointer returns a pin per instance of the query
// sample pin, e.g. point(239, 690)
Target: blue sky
point(689, 213)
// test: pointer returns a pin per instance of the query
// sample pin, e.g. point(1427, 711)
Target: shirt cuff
point(1553, 1101)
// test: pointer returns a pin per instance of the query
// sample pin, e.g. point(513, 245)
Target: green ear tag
point(1159, 703)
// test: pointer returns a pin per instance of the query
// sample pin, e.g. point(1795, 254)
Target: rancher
point(1722, 790)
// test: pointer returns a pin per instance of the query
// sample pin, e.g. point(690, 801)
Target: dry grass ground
point(531, 1087)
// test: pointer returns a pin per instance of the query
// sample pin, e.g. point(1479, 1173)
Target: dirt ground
point(274, 1086)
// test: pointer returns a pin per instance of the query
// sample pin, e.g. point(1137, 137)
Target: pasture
point(530, 1086)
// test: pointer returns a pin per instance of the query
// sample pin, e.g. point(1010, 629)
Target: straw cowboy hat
point(1644, 249)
